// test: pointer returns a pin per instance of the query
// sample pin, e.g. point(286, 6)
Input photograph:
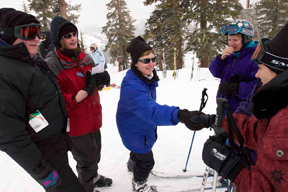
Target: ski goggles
point(262, 56)
point(25, 32)
point(147, 61)
point(234, 29)
point(69, 35)
point(43, 36)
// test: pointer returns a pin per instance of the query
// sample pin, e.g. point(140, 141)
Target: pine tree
point(208, 16)
point(271, 16)
point(82, 46)
point(25, 8)
point(164, 29)
point(119, 31)
point(47, 9)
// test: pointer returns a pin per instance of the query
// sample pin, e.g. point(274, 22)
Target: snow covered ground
point(170, 150)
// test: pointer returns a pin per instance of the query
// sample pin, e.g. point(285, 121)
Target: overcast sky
point(93, 13)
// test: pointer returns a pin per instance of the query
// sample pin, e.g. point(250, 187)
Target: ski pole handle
point(219, 132)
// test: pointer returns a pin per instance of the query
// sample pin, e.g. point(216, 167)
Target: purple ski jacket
point(232, 65)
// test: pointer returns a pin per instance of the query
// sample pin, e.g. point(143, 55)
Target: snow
point(170, 151)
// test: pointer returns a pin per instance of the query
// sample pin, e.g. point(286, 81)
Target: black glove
point(221, 159)
point(205, 119)
point(236, 78)
point(185, 116)
point(228, 88)
point(90, 83)
point(102, 79)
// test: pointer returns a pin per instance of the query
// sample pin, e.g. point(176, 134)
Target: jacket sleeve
point(247, 87)
point(217, 65)
point(141, 104)
point(249, 128)
point(14, 138)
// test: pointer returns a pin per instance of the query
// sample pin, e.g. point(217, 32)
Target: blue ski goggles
point(234, 29)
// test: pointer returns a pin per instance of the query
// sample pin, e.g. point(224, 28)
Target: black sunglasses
point(69, 35)
point(147, 61)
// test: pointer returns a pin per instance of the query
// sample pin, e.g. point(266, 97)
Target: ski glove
point(185, 116)
point(228, 88)
point(90, 83)
point(237, 78)
point(102, 79)
point(221, 159)
point(205, 119)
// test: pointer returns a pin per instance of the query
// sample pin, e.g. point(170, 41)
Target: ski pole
point(219, 132)
point(202, 105)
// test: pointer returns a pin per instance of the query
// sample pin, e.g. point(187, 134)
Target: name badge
point(37, 121)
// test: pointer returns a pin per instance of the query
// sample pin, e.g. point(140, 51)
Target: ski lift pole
point(174, 74)
point(204, 100)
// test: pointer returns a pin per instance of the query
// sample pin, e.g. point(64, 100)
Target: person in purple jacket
point(234, 66)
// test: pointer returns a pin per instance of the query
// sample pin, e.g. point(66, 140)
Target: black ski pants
point(86, 151)
point(144, 163)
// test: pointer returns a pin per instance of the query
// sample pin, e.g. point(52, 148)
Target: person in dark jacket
point(266, 131)
point(33, 114)
point(72, 68)
point(233, 66)
point(138, 113)
point(45, 46)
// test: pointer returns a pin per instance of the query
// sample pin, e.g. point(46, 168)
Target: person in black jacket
point(33, 115)
point(45, 46)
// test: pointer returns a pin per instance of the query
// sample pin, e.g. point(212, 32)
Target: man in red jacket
point(266, 131)
point(72, 68)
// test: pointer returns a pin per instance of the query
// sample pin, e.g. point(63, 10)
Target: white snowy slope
point(170, 150)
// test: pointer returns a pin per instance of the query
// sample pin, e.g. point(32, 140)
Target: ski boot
point(142, 186)
point(101, 181)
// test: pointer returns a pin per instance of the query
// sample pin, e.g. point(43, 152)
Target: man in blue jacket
point(138, 114)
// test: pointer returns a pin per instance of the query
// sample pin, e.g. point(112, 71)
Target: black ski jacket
point(25, 87)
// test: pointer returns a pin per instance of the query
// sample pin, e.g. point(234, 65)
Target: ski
point(206, 188)
point(174, 175)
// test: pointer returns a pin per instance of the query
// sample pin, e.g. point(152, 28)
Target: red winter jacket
point(270, 139)
point(86, 116)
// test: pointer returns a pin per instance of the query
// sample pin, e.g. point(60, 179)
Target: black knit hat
point(136, 48)
point(57, 24)
point(277, 57)
point(9, 18)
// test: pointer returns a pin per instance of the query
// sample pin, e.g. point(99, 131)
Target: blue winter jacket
point(138, 114)
point(232, 65)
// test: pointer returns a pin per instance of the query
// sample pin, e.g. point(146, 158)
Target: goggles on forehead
point(234, 29)
point(25, 32)
point(147, 61)
point(262, 56)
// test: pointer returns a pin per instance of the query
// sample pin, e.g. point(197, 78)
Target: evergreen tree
point(47, 9)
point(208, 16)
point(271, 16)
point(25, 8)
point(82, 46)
point(119, 31)
point(165, 29)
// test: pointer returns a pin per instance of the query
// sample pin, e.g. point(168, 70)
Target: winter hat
point(136, 48)
point(276, 56)
point(67, 29)
point(9, 18)
point(57, 24)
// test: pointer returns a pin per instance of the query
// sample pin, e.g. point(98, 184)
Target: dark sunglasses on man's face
point(147, 61)
point(69, 35)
